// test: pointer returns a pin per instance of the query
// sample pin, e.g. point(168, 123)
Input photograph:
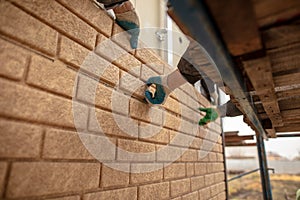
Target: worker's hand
point(161, 93)
point(127, 18)
point(211, 115)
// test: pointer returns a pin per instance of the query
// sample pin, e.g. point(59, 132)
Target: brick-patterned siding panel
point(64, 145)
point(69, 24)
point(40, 178)
point(3, 170)
point(17, 24)
point(19, 140)
point(37, 106)
point(14, 60)
point(154, 191)
point(126, 194)
point(98, 18)
point(53, 76)
point(62, 56)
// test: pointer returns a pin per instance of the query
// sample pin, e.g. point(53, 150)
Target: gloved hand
point(161, 93)
point(211, 115)
point(127, 18)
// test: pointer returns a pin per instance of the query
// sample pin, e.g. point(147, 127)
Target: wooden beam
point(231, 133)
point(288, 93)
point(286, 80)
point(289, 128)
point(260, 74)
point(269, 12)
point(281, 36)
point(236, 21)
point(289, 135)
point(238, 138)
point(271, 133)
point(291, 114)
point(289, 104)
point(285, 58)
point(237, 144)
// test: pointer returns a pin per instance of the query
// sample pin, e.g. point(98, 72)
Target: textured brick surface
point(128, 63)
point(153, 133)
point(53, 76)
point(204, 193)
point(190, 169)
point(209, 179)
point(93, 92)
point(97, 17)
point(72, 52)
point(28, 179)
point(190, 196)
point(19, 101)
point(154, 191)
point(135, 147)
point(197, 183)
point(144, 111)
point(126, 194)
point(152, 60)
point(121, 37)
point(200, 168)
point(110, 124)
point(139, 175)
point(66, 198)
point(19, 140)
point(172, 121)
point(64, 144)
point(13, 60)
point(69, 24)
point(147, 73)
point(180, 187)
point(175, 170)
point(3, 169)
point(25, 28)
point(62, 56)
point(129, 84)
point(112, 177)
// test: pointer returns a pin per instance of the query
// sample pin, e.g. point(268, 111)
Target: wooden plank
point(269, 12)
point(238, 138)
point(287, 80)
point(271, 133)
point(288, 104)
point(282, 35)
point(289, 128)
point(291, 114)
point(285, 58)
point(285, 94)
point(240, 144)
point(260, 74)
point(289, 135)
point(236, 21)
point(231, 133)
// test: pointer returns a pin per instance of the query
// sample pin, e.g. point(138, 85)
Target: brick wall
point(43, 45)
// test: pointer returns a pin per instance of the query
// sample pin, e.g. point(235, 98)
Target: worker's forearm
point(175, 80)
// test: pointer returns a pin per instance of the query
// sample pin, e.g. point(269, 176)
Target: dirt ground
point(284, 187)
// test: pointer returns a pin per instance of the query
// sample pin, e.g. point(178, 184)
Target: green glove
point(130, 22)
point(211, 115)
point(161, 93)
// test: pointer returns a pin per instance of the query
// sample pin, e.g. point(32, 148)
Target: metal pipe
point(223, 147)
point(263, 166)
point(247, 173)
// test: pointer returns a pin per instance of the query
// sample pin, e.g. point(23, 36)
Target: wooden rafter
point(259, 72)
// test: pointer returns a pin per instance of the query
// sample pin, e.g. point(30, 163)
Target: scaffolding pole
point(263, 165)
